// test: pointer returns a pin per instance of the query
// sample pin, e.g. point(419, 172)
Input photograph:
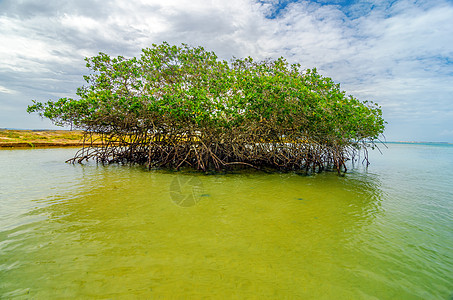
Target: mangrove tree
point(180, 106)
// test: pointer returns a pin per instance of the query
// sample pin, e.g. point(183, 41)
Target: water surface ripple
point(72, 231)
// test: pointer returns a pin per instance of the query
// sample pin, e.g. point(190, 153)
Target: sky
point(397, 53)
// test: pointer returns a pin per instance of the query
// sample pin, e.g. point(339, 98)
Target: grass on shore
point(22, 138)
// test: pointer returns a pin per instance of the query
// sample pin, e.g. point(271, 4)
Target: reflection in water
point(113, 231)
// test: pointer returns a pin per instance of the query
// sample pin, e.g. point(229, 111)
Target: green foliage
point(180, 91)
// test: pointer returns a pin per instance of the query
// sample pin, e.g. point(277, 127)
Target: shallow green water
point(109, 232)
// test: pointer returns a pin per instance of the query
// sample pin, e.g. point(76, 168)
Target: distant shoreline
point(15, 138)
point(30, 138)
point(38, 145)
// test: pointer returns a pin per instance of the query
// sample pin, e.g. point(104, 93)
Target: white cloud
point(6, 90)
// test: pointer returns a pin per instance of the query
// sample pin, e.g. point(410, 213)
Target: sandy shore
point(37, 144)
point(39, 138)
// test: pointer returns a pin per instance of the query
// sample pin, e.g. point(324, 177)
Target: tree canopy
point(178, 106)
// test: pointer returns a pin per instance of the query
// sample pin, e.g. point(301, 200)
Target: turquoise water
point(72, 231)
